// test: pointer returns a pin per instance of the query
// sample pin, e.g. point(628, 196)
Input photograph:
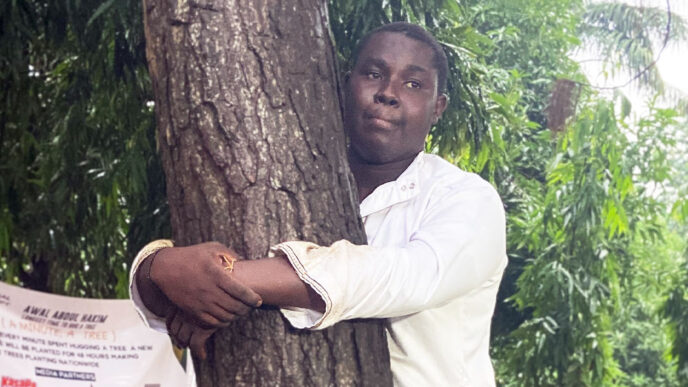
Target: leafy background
point(596, 292)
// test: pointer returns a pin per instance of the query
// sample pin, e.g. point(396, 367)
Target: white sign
point(51, 340)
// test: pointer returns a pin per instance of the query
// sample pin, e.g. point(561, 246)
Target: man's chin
point(373, 156)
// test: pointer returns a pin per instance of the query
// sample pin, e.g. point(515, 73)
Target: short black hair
point(416, 32)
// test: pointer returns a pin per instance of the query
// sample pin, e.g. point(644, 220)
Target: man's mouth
point(380, 122)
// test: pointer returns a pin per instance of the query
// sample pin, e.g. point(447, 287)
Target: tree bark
point(251, 138)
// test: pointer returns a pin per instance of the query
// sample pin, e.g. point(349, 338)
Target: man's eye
point(412, 85)
point(373, 75)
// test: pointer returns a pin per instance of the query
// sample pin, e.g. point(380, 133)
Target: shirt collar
point(405, 187)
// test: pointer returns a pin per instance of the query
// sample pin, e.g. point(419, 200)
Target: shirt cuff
point(306, 258)
point(149, 318)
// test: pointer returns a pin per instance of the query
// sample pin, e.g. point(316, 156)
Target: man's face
point(391, 99)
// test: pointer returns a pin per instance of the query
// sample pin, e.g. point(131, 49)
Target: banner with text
point(51, 340)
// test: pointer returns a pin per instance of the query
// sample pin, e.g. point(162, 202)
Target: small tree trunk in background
point(250, 132)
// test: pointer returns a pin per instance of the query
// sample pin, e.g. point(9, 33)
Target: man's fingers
point(171, 313)
point(174, 324)
point(184, 334)
point(229, 284)
point(213, 314)
point(237, 290)
point(227, 310)
point(232, 307)
point(197, 342)
point(206, 318)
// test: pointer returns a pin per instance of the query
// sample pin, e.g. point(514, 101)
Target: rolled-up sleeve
point(458, 246)
point(149, 318)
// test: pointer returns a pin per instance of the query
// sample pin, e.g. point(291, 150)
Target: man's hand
point(195, 280)
point(187, 333)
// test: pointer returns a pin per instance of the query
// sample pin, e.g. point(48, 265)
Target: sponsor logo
point(12, 382)
point(70, 375)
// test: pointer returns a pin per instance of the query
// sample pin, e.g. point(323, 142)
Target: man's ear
point(440, 106)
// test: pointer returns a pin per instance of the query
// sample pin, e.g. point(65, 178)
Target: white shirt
point(435, 256)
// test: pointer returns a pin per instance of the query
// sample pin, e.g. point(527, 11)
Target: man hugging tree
point(436, 237)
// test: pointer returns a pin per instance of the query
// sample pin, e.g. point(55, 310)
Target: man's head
point(394, 93)
point(416, 32)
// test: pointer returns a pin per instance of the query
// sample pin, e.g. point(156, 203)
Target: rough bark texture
point(250, 132)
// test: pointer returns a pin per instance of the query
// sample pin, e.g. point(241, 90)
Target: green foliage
point(568, 283)
point(77, 145)
point(572, 212)
point(676, 310)
point(642, 346)
point(532, 38)
point(612, 30)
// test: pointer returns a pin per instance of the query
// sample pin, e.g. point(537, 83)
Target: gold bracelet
point(228, 262)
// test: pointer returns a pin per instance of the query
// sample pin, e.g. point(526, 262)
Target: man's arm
point(194, 279)
point(273, 279)
point(459, 247)
point(277, 283)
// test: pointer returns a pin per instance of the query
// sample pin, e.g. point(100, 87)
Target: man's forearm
point(193, 279)
point(275, 280)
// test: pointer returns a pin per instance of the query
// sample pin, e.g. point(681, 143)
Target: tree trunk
point(250, 132)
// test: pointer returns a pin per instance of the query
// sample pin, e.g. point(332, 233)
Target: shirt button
point(403, 188)
point(412, 185)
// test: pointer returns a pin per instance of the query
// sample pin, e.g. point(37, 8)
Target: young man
point(436, 237)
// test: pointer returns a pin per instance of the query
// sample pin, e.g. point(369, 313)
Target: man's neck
point(370, 176)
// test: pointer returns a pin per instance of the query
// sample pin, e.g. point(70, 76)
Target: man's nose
point(386, 95)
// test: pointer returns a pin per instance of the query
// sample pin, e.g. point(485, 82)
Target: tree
point(252, 143)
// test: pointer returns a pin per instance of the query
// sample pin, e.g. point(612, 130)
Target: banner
point(51, 340)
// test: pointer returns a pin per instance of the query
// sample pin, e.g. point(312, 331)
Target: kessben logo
point(12, 382)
